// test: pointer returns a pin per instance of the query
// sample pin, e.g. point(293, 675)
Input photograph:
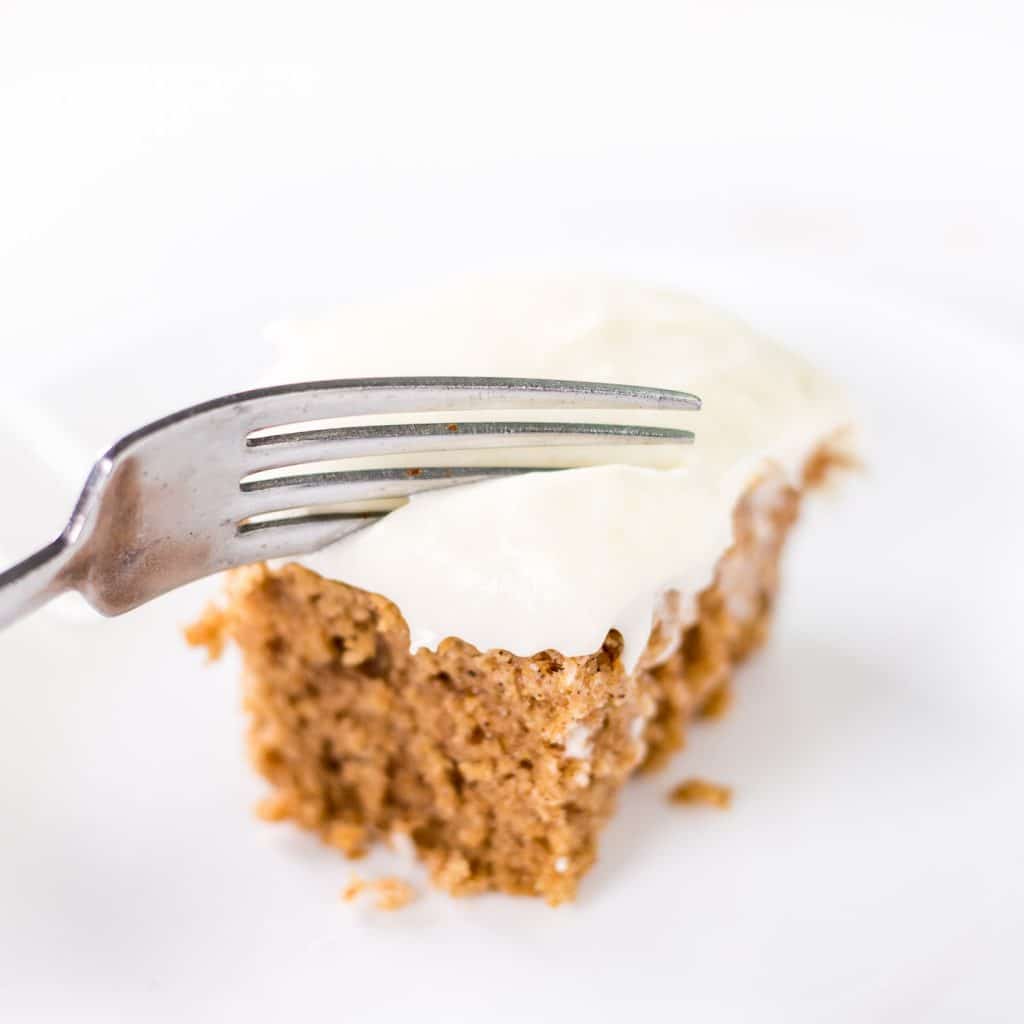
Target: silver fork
point(174, 501)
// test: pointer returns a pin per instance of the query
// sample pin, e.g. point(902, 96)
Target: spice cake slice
point(383, 704)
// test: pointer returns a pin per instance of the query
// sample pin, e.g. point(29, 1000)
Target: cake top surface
point(553, 560)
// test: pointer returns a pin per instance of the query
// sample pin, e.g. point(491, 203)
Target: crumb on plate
point(701, 791)
point(391, 893)
point(353, 888)
point(718, 704)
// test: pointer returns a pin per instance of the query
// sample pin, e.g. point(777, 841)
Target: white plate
point(870, 868)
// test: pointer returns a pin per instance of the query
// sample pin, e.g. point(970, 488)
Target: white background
point(888, 132)
point(173, 179)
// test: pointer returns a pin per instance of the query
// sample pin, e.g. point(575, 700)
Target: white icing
point(740, 578)
point(577, 742)
point(637, 728)
point(553, 560)
point(673, 612)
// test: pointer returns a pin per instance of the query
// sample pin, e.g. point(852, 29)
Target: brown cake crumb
point(391, 893)
point(718, 704)
point(272, 808)
point(700, 791)
point(350, 839)
point(500, 769)
point(353, 888)
point(209, 631)
point(829, 460)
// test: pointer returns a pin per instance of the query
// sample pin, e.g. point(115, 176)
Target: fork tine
point(282, 536)
point(318, 400)
point(334, 519)
point(274, 451)
point(306, 490)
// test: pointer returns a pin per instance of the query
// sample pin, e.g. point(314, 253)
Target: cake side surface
point(464, 752)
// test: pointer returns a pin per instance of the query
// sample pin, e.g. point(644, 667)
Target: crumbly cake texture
point(500, 770)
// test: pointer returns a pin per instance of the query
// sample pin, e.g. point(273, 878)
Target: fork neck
point(34, 581)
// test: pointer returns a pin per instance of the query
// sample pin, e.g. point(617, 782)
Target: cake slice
point(477, 675)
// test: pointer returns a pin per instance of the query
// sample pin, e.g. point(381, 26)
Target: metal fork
point(174, 501)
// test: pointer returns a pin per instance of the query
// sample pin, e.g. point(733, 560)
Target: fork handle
point(34, 581)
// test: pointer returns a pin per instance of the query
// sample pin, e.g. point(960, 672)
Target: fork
point(186, 496)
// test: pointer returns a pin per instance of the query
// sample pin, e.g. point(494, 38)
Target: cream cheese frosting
point(554, 560)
